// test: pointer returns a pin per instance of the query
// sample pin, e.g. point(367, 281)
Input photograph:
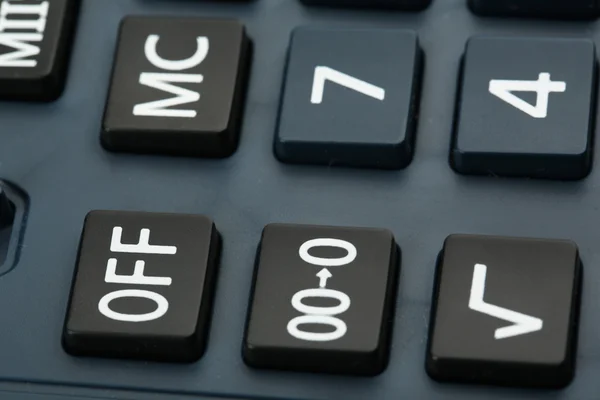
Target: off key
point(143, 286)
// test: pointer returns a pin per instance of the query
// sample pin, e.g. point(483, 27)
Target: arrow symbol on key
point(522, 324)
point(323, 275)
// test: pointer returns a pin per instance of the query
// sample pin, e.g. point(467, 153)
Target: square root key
point(505, 311)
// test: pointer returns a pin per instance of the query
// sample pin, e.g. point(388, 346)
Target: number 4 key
point(510, 124)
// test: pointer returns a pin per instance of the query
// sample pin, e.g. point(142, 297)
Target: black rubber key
point(177, 87)
point(350, 98)
point(323, 299)
point(35, 47)
point(143, 286)
point(391, 4)
point(560, 9)
point(526, 108)
point(505, 311)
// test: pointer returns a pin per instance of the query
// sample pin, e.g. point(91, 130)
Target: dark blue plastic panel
point(52, 152)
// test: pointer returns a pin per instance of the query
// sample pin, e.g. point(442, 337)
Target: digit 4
point(504, 89)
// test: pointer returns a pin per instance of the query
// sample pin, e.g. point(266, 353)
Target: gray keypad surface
point(56, 171)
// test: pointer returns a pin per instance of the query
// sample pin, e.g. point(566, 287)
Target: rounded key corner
point(376, 367)
point(238, 24)
point(53, 95)
point(570, 243)
point(475, 7)
point(107, 142)
point(248, 350)
point(388, 232)
point(452, 237)
point(254, 356)
point(379, 370)
point(225, 152)
point(456, 162)
point(405, 155)
point(68, 335)
point(585, 172)
point(431, 365)
point(564, 382)
point(68, 345)
point(422, 5)
point(476, 38)
point(274, 226)
point(70, 338)
point(299, 30)
point(127, 19)
point(280, 153)
point(91, 214)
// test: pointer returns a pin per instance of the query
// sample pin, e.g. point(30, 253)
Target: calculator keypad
point(323, 299)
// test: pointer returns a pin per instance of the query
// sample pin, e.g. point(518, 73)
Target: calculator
point(299, 199)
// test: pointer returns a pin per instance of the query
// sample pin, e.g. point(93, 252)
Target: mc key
point(143, 286)
point(505, 311)
point(323, 299)
point(177, 87)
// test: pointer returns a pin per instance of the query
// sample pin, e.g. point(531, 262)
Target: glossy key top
point(505, 311)
point(177, 87)
point(350, 98)
point(35, 46)
point(143, 286)
point(526, 108)
point(323, 299)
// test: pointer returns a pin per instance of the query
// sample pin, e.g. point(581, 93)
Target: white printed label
point(323, 74)
point(15, 16)
point(521, 323)
point(143, 246)
point(322, 315)
point(162, 305)
point(165, 81)
point(504, 89)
